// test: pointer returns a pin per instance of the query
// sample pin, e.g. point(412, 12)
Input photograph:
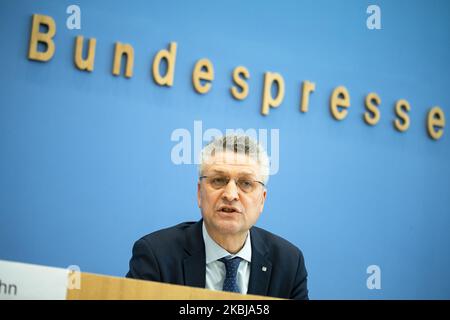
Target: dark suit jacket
point(177, 255)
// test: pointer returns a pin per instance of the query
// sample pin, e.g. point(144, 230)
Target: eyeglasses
point(218, 182)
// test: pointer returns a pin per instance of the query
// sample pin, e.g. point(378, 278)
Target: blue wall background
point(85, 161)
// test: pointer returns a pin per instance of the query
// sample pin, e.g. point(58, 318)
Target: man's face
point(230, 210)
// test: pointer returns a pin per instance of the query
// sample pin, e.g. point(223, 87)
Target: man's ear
point(199, 201)
point(263, 199)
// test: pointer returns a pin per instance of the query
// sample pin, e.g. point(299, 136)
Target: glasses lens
point(246, 185)
point(218, 182)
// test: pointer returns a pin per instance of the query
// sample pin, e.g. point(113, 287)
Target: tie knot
point(231, 266)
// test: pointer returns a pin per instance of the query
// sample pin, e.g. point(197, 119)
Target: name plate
point(21, 281)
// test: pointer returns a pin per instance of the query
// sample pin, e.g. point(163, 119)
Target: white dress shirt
point(215, 270)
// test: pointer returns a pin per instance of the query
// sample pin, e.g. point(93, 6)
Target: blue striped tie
point(231, 265)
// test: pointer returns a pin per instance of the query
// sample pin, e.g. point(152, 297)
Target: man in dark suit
point(224, 251)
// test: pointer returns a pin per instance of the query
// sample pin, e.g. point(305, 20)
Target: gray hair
point(240, 144)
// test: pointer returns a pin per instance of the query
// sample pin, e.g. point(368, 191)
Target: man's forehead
point(231, 168)
point(230, 161)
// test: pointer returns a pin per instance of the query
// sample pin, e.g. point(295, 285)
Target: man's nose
point(231, 192)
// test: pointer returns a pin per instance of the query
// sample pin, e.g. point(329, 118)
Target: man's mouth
point(229, 209)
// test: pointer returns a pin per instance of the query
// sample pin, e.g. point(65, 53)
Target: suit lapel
point(195, 263)
point(260, 267)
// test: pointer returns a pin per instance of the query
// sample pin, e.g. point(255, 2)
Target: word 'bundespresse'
point(203, 75)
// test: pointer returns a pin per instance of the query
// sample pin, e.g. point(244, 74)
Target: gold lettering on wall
point(436, 123)
point(402, 108)
point(120, 50)
point(88, 63)
point(372, 115)
point(42, 48)
point(307, 88)
point(170, 57)
point(271, 78)
point(239, 74)
point(41, 37)
point(203, 71)
point(339, 98)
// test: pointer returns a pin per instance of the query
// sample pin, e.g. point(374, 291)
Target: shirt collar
point(215, 252)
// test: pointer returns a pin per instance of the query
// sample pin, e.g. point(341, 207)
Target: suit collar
point(214, 251)
point(261, 266)
point(195, 263)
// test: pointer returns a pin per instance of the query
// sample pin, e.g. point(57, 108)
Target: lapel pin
point(264, 268)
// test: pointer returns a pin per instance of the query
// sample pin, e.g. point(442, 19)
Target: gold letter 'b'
point(37, 36)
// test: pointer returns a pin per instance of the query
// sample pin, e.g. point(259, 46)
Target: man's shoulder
point(274, 243)
point(170, 234)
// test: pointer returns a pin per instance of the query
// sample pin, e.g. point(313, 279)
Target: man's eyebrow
point(247, 174)
point(243, 173)
point(219, 171)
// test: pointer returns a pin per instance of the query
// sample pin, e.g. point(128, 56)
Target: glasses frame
point(235, 181)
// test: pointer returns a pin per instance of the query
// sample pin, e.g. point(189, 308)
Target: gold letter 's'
point(240, 82)
point(372, 102)
point(401, 108)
